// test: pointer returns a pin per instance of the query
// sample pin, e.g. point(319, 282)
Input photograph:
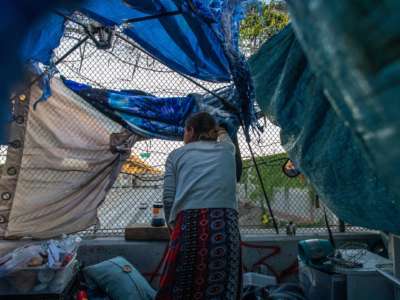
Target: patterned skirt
point(204, 258)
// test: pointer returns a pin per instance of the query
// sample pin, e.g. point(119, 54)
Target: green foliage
point(273, 177)
point(262, 22)
point(271, 172)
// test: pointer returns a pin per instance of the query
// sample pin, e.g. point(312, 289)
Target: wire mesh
point(131, 197)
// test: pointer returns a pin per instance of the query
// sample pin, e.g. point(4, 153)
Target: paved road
point(125, 205)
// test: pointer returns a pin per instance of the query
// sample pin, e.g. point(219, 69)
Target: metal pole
point(395, 253)
point(342, 226)
point(77, 45)
point(328, 227)
point(263, 188)
point(161, 15)
point(37, 78)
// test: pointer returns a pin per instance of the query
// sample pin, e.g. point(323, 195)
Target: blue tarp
point(154, 117)
point(202, 41)
point(184, 43)
point(15, 17)
point(332, 86)
point(196, 52)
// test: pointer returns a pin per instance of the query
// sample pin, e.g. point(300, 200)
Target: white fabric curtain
point(67, 165)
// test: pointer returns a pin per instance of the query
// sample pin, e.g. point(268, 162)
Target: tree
point(262, 21)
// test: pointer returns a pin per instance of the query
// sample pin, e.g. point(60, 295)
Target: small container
point(157, 219)
point(38, 280)
point(258, 280)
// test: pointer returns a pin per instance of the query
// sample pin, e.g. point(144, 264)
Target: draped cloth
point(70, 159)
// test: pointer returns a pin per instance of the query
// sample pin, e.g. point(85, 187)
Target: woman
point(204, 258)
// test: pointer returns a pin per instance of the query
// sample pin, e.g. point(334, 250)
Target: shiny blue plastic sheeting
point(213, 105)
point(354, 48)
point(194, 51)
point(184, 42)
point(224, 18)
point(318, 139)
point(154, 117)
point(139, 112)
point(190, 46)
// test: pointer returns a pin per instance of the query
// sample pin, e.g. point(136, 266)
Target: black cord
point(152, 17)
point(263, 188)
point(331, 239)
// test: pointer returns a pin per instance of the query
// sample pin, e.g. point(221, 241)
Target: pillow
point(119, 280)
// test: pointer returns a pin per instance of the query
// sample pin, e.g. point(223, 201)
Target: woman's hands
point(221, 130)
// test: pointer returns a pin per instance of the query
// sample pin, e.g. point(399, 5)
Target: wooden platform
point(146, 232)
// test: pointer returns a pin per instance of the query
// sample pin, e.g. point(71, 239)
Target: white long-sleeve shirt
point(200, 175)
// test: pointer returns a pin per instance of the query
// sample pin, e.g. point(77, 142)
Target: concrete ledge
point(258, 237)
point(146, 255)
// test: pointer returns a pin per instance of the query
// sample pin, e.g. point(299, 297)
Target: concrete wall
point(145, 255)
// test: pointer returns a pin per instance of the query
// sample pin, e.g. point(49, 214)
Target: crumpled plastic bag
point(53, 253)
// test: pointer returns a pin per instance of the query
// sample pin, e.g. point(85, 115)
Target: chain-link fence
point(126, 66)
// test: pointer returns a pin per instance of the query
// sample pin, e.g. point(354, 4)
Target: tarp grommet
point(2, 219)
point(11, 171)
point(20, 119)
point(6, 196)
point(22, 97)
point(16, 144)
point(127, 269)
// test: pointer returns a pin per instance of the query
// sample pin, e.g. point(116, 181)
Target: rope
point(291, 269)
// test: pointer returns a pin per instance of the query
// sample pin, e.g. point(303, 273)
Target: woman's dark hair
point(204, 126)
